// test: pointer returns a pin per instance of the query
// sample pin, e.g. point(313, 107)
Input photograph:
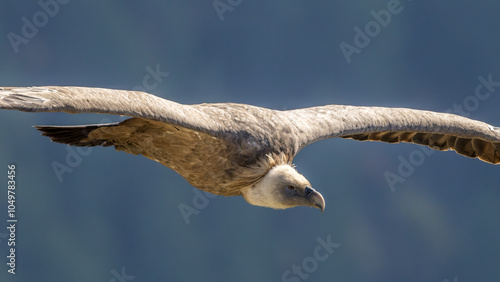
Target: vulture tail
point(75, 135)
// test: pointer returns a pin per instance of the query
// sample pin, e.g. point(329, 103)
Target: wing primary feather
point(74, 135)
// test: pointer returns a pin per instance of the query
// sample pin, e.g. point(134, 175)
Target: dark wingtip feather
point(73, 135)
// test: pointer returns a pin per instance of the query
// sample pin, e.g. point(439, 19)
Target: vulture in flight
point(242, 150)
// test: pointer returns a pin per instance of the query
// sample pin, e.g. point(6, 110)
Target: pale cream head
point(283, 187)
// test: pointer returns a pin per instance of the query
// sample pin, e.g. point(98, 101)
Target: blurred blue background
point(116, 216)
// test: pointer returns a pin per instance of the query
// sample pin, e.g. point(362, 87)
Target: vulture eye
point(290, 188)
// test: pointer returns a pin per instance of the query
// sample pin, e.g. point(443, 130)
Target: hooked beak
point(315, 198)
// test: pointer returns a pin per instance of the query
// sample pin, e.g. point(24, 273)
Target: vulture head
point(283, 187)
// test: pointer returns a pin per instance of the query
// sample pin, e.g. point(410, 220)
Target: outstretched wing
point(205, 143)
point(247, 127)
point(439, 131)
point(106, 101)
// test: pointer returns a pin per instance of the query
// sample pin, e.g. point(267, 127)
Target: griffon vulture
point(243, 150)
